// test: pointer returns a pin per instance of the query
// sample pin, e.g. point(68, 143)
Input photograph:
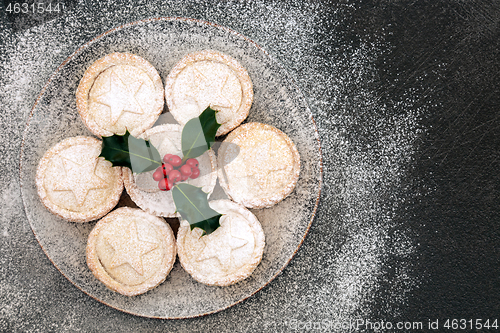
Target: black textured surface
point(406, 96)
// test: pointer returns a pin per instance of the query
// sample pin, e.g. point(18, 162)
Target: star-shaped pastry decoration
point(130, 249)
point(220, 244)
point(120, 97)
point(80, 178)
point(208, 92)
point(261, 163)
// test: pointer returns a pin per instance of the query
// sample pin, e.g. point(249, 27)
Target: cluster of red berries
point(173, 170)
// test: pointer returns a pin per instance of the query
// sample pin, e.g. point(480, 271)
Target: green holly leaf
point(192, 203)
point(198, 134)
point(124, 150)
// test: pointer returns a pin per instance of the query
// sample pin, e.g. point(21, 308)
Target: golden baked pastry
point(143, 189)
point(74, 183)
point(209, 78)
point(131, 251)
point(118, 92)
point(258, 165)
point(229, 254)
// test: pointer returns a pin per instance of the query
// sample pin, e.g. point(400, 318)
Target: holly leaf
point(192, 203)
point(125, 150)
point(198, 134)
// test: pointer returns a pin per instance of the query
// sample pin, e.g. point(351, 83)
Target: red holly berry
point(166, 158)
point(186, 170)
point(164, 184)
point(195, 172)
point(158, 174)
point(174, 176)
point(167, 168)
point(192, 162)
point(183, 178)
point(175, 160)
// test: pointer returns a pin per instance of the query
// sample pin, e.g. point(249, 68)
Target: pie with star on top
point(118, 92)
point(131, 251)
point(258, 165)
point(143, 189)
point(230, 253)
point(209, 78)
point(74, 183)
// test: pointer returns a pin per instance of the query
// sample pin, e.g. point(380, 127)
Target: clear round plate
point(277, 101)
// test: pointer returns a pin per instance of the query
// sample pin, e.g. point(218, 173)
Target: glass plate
point(277, 101)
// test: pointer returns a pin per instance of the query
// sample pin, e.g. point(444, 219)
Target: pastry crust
point(209, 78)
point(228, 255)
point(143, 189)
point(131, 251)
point(118, 92)
point(258, 165)
point(74, 183)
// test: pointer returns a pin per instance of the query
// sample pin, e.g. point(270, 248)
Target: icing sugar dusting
point(10, 201)
point(366, 144)
point(277, 103)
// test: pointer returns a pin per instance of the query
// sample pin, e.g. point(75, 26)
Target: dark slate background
point(434, 65)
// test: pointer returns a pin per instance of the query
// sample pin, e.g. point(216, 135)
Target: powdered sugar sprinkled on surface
point(277, 102)
point(368, 147)
point(353, 234)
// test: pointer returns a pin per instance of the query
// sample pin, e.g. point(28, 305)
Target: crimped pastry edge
point(236, 277)
point(102, 64)
point(64, 213)
point(100, 273)
point(234, 65)
point(138, 196)
point(262, 202)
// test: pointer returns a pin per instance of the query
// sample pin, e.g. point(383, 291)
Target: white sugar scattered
point(368, 147)
point(11, 203)
point(362, 183)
